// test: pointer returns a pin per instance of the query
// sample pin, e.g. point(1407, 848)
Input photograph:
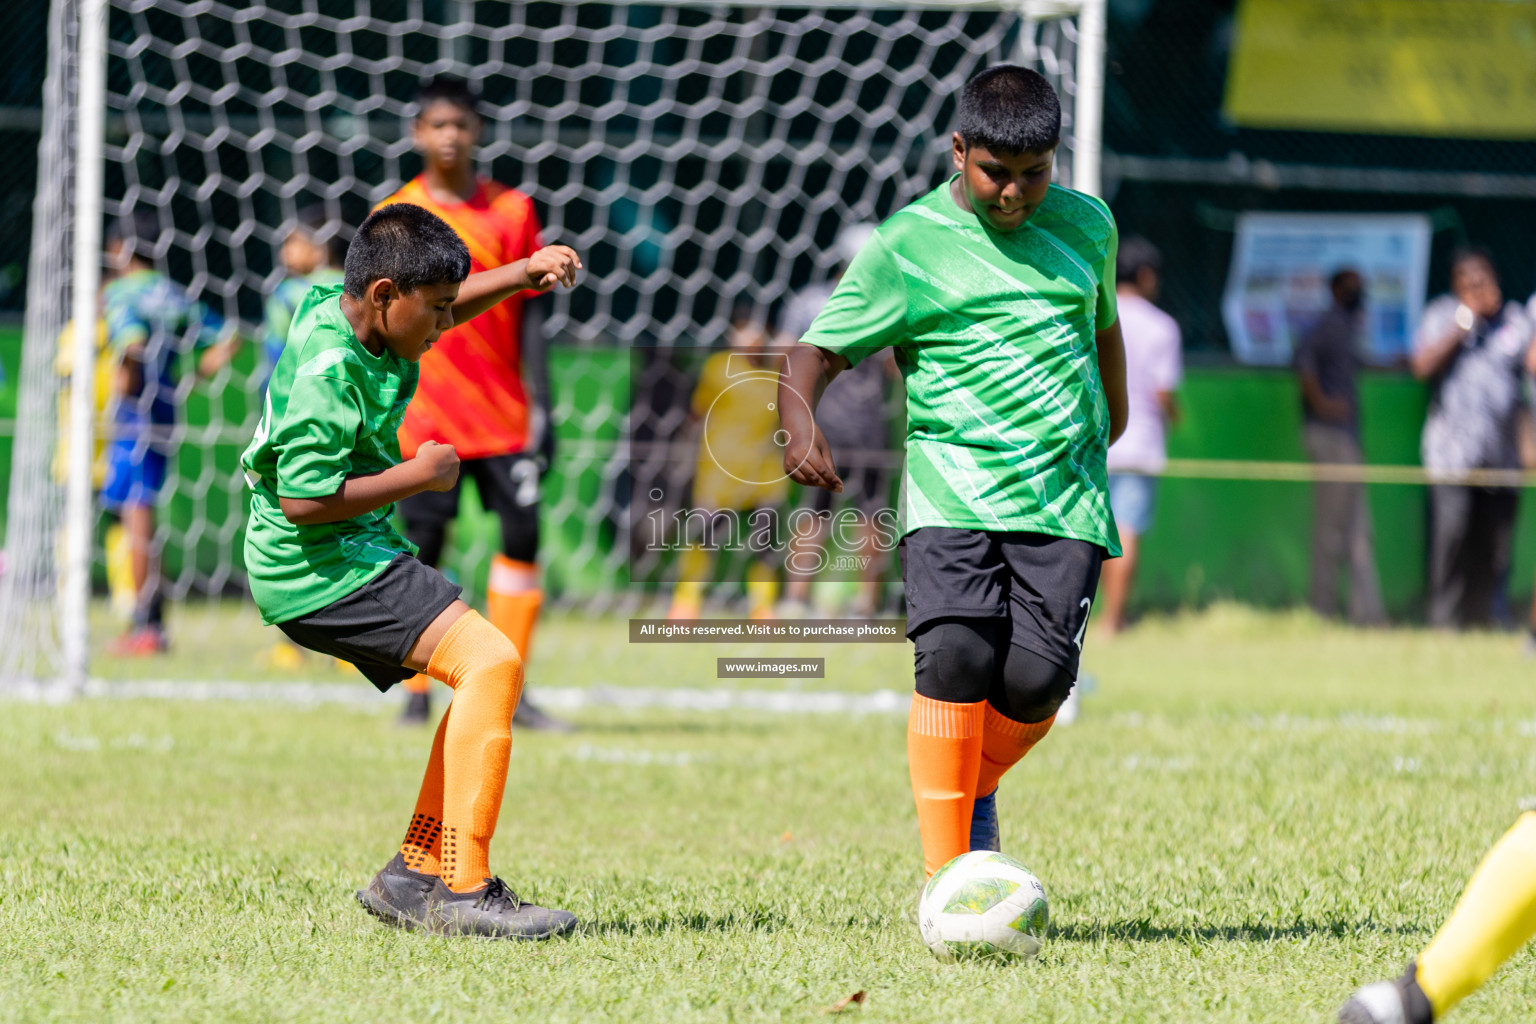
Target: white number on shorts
point(1086, 606)
point(525, 474)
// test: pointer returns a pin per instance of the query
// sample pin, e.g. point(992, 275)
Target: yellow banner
point(1460, 68)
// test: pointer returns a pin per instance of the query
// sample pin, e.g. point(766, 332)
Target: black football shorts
point(1044, 585)
point(508, 486)
point(376, 625)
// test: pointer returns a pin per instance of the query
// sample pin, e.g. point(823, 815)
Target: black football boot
point(495, 912)
point(398, 896)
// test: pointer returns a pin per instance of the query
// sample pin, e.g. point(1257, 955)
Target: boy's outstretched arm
point(807, 372)
point(551, 265)
point(1111, 348)
point(435, 468)
point(218, 355)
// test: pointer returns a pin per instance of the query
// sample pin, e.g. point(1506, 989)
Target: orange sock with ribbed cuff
point(943, 757)
point(513, 600)
point(1004, 743)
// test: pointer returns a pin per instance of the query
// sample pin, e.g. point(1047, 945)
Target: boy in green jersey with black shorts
point(328, 569)
point(997, 292)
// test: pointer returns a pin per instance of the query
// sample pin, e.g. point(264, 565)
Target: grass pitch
point(1254, 814)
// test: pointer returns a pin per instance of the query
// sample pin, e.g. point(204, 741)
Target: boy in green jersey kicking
point(330, 571)
point(997, 292)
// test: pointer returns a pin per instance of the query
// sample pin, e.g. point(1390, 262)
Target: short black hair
point(447, 89)
point(139, 229)
point(1338, 276)
point(746, 311)
point(315, 221)
point(1009, 109)
point(1135, 255)
point(1464, 254)
point(407, 244)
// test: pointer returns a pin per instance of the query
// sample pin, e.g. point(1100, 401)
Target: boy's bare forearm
point(358, 495)
point(129, 379)
point(216, 357)
point(1111, 348)
point(807, 372)
point(1431, 359)
point(799, 389)
point(549, 266)
point(481, 291)
point(807, 459)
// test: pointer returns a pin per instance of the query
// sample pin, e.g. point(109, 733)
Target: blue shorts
point(135, 474)
point(1132, 497)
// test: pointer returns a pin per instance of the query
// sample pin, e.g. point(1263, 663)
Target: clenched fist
point(440, 463)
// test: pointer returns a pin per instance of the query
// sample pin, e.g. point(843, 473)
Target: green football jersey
point(331, 412)
point(1007, 424)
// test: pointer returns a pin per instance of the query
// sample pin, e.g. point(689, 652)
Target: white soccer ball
point(983, 905)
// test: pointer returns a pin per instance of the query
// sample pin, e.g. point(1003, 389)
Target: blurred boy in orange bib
point(472, 393)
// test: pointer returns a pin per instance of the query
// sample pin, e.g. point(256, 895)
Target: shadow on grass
point(1142, 930)
point(758, 920)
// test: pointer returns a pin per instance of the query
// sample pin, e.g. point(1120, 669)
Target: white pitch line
point(558, 698)
point(788, 702)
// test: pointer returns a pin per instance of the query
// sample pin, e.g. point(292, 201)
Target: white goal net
point(698, 156)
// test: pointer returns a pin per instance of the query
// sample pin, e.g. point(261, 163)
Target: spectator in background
point(739, 473)
point(153, 327)
point(1153, 370)
point(1471, 347)
point(312, 254)
point(484, 386)
point(120, 582)
point(1328, 361)
point(852, 415)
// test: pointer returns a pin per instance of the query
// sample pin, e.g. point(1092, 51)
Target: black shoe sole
point(375, 905)
point(387, 914)
point(448, 929)
point(536, 937)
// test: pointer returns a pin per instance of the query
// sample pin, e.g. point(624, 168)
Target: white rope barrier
point(1323, 472)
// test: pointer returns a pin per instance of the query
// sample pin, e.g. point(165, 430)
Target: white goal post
point(702, 153)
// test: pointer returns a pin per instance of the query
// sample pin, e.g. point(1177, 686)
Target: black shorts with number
point(1044, 585)
point(376, 625)
point(508, 486)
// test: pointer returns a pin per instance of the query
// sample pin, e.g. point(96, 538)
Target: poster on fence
point(1451, 68)
point(1278, 283)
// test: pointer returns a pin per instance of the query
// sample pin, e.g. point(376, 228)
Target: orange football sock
point(1004, 743)
point(423, 840)
point(419, 683)
point(944, 756)
point(461, 792)
point(511, 603)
